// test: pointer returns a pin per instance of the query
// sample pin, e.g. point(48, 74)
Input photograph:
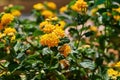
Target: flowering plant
point(80, 41)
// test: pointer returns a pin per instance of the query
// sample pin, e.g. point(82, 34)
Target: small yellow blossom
point(38, 6)
point(50, 40)
point(42, 24)
point(48, 28)
point(112, 73)
point(93, 11)
point(59, 32)
point(16, 13)
point(116, 9)
point(93, 28)
point(62, 24)
point(48, 13)
point(117, 64)
point(7, 18)
point(63, 9)
point(13, 37)
point(9, 31)
point(65, 50)
point(80, 6)
point(51, 5)
point(116, 17)
point(2, 35)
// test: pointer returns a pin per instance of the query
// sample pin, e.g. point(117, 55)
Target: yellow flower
point(63, 9)
point(47, 14)
point(93, 11)
point(116, 17)
point(116, 9)
point(51, 5)
point(2, 35)
point(93, 28)
point(16, 13)
point(38, 6)
point(65, 50)
point(9, 31)
point(62, 24)
point(50, 40)
point(117, 64)
point(80, 6)
point(112, 73)
point(7, 18)
point(46, 27)
point(13, 37)
point(59, 32)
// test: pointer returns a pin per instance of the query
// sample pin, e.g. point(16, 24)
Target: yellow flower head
point(65, 50)
point(38, 6)
point(116, 17)
point(116, 9)
point(93, 28)
point(112, 73)
point(9, 31)
point(46, 27)
point(80, 6)
point(16, 13)
point(50, 40)
point(47, 13)
point(2, 35)
point(7, 18)
point(59, 32)
point(117, 64)
point(51, 5)
point(63, 9)
point(62, 24)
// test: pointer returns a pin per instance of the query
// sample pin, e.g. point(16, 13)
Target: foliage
point(78, 42)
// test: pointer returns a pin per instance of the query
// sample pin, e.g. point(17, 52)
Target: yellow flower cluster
point(116, 9)
point(113, 74)
point(47, 13)
point(38, 6)
point(16, 13)
point(53, 32)
point(116, 17)
point(7, 18)
point(8, 32)
point(65, 50)
point(50, 40)
point(51, 5)
point(80, 6)
point(63, 9)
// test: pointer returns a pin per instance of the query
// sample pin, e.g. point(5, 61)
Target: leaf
point(17, 46)
point(88, 64)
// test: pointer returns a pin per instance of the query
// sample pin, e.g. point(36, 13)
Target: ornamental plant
point(80, 41)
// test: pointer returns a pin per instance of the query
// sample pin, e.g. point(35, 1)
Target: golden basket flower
point(7, 18)
point(48, 13)
point(64, 63)
point(63, 9)
point(9, 31)
point(112, 73)
point(65, 50)
point(51, 5)
point(16, 13)
point(80, 6)
point(50, 40)
point(93, 28)
point(59, 32)
point(116, 17)
point(38, 6)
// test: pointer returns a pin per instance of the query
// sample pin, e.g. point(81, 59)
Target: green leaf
point(88, 64)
